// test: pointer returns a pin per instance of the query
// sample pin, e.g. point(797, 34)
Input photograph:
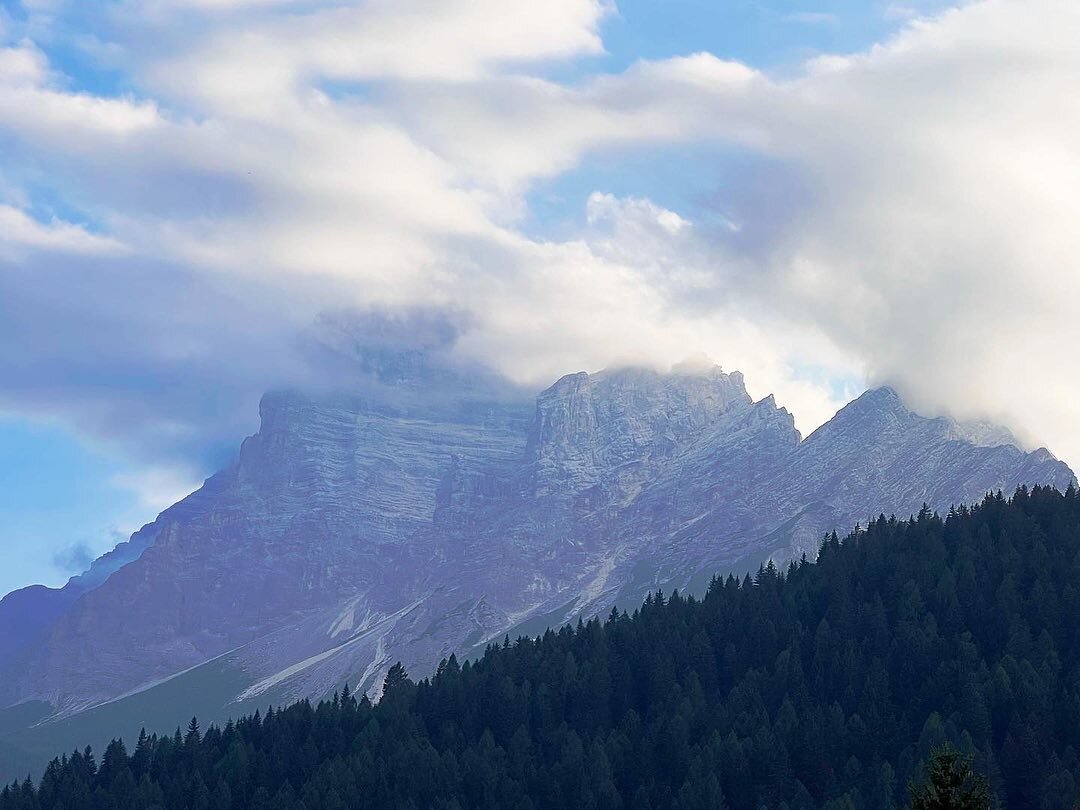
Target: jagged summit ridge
point(379, 524)
point(587, 426)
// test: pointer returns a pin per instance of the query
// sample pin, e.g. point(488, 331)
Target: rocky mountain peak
point(876, 403)
point(768, 411)
point(588, 423)
point(876, 412)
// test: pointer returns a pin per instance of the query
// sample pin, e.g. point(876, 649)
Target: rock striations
point(425, 516)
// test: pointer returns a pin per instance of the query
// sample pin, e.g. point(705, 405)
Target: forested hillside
point(827, 684)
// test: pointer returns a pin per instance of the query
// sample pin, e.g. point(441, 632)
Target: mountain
point(27, 614)
point(431, 511)
point(828, 684)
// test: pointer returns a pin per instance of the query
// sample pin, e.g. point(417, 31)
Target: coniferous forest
point(827, 684)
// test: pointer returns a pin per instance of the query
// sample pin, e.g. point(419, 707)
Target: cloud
point(19, 229)
point(901, 214)
point(75, 558)
point(938, 243)
point(157, 488)
point(32, 106)
point(404, 40)
point(162, 363)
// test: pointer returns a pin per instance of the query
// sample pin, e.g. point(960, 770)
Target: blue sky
point(59, 500)
point(185, 185)
point(762, 33)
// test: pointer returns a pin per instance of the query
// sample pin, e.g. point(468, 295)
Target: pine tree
point(396, 679)
point(192, 737)
point(951, 784)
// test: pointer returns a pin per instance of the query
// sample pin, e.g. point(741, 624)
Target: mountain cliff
point(431, 513)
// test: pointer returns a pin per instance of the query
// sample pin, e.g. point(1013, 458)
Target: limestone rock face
point(432, 513)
